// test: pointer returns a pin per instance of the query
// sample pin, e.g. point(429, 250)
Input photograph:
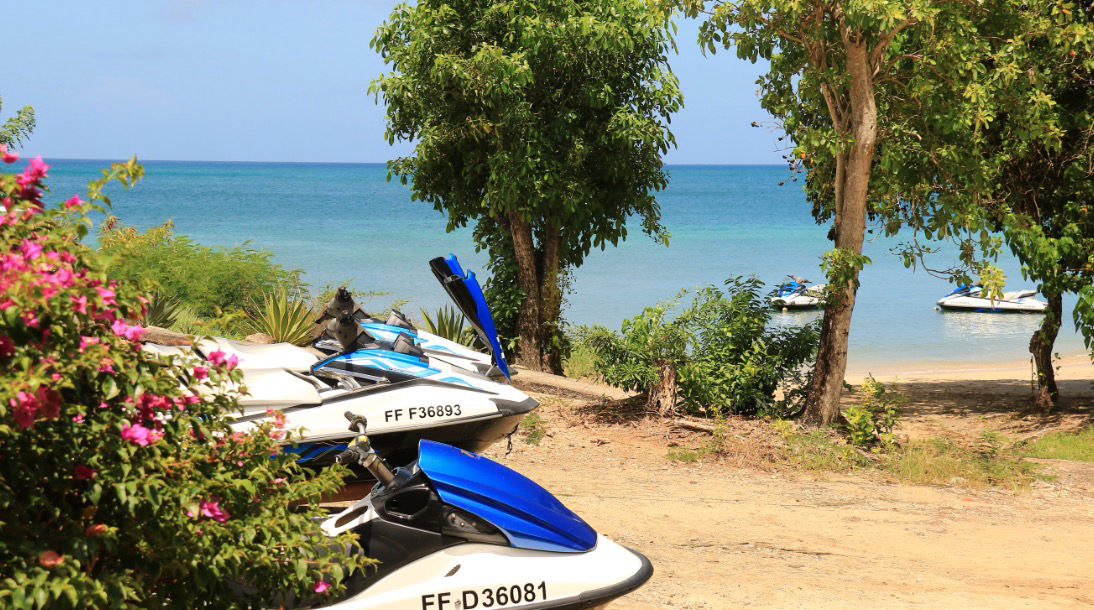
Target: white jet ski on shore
point(406, 394)
point(455, 531)
point(798, 293)
point(972, 298)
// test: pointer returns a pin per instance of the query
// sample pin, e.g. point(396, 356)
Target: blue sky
point(276, 80)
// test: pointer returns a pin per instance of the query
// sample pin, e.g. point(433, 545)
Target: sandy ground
point(725, 536)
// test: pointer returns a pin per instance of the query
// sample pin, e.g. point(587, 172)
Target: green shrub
point(282, 317)
point(870, 422)
point(211, 282)
point(162, 310)
point(122, 484)
point(726, 357)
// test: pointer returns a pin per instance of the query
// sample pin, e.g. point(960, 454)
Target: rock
point(260, 338)
point(162, 336)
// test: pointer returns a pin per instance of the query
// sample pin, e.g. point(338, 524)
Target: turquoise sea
point(343, 222)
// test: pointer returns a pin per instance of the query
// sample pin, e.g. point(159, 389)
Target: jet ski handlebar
point(360, 451)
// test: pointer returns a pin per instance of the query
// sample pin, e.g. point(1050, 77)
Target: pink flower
point(106, 365)
point(79, 305)
point(139, 435)
point(37, 168)
point(8, 304)
point(86, 342)
point(50, 559)
point(107, 295)
point(217, 357)
point(232, 361)
point(211, 509)
point(30, 249)
point(200, 372)
point(83, 473)
point(8, 157)
point(24, 408)
point(280, 480)
point(30, 319)
point(78, 418)
point(133, 333)
point(74, 202)
point(49, 402)
point(322, 586)
point(7, 346)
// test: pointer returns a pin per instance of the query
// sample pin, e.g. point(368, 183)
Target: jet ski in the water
point(456, 531)
point(797, 293)
point(406, 394)
point(973, 298)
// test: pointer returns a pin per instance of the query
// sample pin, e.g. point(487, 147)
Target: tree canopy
point(541, 122)
point(884, 101)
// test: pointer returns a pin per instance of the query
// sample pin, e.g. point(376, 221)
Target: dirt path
point(724, 537)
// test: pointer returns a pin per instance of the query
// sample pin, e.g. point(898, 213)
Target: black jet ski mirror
point(344, 329)
point(342, 303)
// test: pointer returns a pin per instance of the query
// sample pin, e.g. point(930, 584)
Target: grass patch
point(1078, 446)
point(940, 461)
point(581, 363)
point(533, 429)
point(685, 455)
point(818, 449)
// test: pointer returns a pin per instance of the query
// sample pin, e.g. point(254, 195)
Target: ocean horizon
point(344, 223)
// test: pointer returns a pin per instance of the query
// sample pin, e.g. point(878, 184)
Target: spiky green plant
point(282, 317)
point(163, 310)
point(449, 323)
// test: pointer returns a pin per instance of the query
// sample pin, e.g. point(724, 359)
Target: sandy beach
point(733, 531)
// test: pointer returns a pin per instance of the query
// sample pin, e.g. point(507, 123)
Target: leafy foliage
point(16, 128)
point(215, 284)
point(283, 317)
point(123, 485)
point(542, 122)
point(448, 323)
point(162, 310)
point(727, 358)
point(883, 101)
point(870, 421)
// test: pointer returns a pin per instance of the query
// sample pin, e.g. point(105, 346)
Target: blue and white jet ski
point(972, 298)
point(456, 531)
point(404, 392)
point(798, 293)
point(397, 333)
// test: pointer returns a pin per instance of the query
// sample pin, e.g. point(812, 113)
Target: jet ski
point(397, 333)
point(454, 530)
point(406, 394)
point(972, 298)
point(797, 292)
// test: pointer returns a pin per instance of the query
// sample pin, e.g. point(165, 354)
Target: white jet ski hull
point(982, 305)
point(489, 576)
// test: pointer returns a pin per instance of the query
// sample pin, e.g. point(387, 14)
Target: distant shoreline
point(363, 163)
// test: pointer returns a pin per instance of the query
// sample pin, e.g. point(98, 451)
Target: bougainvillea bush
point(121, 485)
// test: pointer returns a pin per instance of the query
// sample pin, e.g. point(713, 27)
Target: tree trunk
point(1040, 345)
point(550, 307)
point(662, 396)
point(529, 352)
point(852, 182)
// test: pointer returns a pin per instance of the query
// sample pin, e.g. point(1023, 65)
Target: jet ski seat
point(272, 356)
point(276, 389)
